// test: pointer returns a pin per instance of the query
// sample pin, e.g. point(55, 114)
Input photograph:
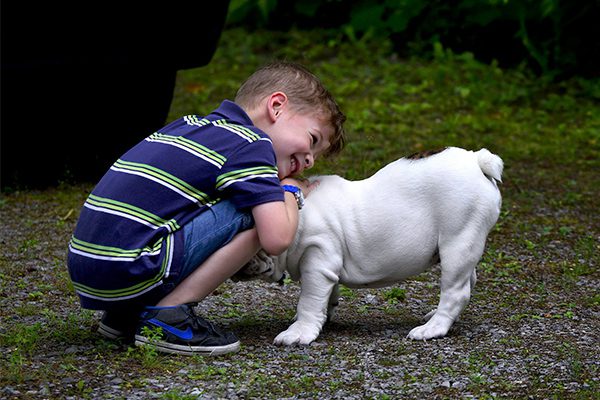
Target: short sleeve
point(249, 177)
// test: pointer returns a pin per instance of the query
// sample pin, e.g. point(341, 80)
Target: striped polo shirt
point(128, 239)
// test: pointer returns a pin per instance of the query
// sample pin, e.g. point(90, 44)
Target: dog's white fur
point(384, 229)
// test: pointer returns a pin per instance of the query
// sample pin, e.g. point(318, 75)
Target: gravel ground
point(531, 330)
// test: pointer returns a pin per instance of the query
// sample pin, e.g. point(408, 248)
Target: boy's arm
point(276, 222)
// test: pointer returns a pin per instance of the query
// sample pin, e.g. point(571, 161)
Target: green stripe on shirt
point(93, 249)
point(240, 130)
point(131, 211)
point(115, 294)
point(190, 146)
point(228, 178)
point(163, 178)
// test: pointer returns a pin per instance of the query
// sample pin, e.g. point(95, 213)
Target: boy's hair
point(305, 93)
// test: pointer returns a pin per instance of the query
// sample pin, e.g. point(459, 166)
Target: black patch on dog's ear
point(424, 154)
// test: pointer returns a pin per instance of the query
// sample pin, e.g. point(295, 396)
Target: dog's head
point(261, 266)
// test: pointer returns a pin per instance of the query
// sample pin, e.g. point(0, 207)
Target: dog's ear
point(263, 256)
point(261, 266)
point(248, 271)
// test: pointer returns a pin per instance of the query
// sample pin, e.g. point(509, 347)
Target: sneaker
point(116, 325)
point(183, 332)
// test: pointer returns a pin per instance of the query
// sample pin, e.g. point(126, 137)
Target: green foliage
point(399, 106)
point(384, 17)
point(147, 354)
point(259, 10)
point(394, 295)
point(557, 38)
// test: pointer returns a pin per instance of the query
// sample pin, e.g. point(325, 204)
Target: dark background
point(83, 82)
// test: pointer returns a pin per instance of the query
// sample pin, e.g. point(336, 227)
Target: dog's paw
point(433, 329)
point(261, 266)
point(297, 334)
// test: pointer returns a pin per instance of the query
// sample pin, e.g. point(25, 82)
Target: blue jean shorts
point(210, 231)
point(203, 236)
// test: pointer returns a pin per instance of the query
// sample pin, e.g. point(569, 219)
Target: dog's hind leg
point(472, 281)
point(458, 278)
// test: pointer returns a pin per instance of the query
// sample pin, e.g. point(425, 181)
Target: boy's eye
point(313, 139)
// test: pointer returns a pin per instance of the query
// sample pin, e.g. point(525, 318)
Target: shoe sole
point(109, 332)
point(187, 350)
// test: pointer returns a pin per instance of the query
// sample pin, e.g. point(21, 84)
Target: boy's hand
point(304, 184)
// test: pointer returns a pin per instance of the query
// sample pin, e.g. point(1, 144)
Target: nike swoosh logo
point(185, 335)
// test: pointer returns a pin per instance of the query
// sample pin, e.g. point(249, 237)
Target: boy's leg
point(215, 270)
point(221, 242)
point(217, 244)
point(182, 331)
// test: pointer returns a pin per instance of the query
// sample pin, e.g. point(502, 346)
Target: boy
point(187, 207)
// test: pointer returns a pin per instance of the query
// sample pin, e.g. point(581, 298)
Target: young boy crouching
point(186, 208)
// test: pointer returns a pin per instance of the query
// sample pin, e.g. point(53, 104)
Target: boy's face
point(299, 139)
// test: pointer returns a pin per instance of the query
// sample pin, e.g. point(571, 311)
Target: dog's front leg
point(334, 302)
point(315, 290)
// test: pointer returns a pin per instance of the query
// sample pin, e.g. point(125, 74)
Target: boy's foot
point(183, 332)
point(116, 325)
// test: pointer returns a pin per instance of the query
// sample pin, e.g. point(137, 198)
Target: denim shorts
point(203, 236)
point(210, 231)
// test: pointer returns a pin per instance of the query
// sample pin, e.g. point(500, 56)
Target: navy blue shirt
point(128, 239)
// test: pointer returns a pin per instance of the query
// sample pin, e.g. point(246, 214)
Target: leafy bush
point(555, 38)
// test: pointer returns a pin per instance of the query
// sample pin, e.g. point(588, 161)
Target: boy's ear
point(276, 104)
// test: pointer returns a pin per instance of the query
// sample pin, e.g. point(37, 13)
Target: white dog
point(376, 232)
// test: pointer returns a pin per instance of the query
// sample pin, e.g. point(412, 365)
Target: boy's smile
point(298, 140)
point(294, 166)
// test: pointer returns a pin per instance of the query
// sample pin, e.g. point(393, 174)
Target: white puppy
point(376, 232)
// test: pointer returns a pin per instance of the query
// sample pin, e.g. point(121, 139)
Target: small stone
point(71, 350)
point(459, 385)
point(10, 391)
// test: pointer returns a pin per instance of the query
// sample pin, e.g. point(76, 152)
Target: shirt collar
point(231, 111)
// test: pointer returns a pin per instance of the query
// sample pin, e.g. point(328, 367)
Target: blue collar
point(231, 111)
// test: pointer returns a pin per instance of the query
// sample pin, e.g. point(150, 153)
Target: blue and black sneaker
point(181, 331)
point(119, 325)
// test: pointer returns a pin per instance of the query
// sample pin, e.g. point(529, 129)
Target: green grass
point(396, 107)
point(539, 268)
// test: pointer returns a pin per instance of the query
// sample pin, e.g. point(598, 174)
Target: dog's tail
point(491, 165)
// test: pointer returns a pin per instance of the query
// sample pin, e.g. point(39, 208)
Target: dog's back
point(408, 206)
